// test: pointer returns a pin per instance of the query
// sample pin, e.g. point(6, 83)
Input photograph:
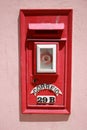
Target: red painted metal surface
point(46, 26)
point(31, 34)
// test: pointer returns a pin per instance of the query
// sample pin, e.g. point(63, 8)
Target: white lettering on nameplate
point(45, 99)
point(44, 86)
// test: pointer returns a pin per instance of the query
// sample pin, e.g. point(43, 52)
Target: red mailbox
point(45, 60)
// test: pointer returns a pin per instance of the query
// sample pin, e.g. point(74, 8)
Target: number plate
point(42, 99)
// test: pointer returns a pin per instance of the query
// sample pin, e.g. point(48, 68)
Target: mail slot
point(45, 60)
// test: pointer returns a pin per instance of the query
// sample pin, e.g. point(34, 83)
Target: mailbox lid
point(46, 26)
point(45, 30)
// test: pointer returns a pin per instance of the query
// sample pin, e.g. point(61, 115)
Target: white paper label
point(45, 99)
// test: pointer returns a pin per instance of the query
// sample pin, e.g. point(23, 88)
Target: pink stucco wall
point(10, 117)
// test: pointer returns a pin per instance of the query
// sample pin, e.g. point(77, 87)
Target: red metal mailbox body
point(45, 60)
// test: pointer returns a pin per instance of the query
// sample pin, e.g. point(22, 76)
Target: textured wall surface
point(10, 117)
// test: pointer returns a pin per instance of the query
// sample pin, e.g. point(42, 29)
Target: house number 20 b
point(46, 99)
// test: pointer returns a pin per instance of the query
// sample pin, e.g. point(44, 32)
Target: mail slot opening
point(45, 30)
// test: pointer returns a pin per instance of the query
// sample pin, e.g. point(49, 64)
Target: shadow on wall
point(42, 117)
point(35, 117)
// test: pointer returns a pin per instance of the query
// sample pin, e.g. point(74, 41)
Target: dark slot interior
point(46, 31)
